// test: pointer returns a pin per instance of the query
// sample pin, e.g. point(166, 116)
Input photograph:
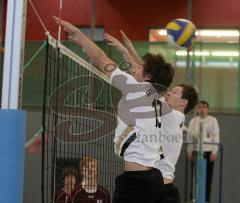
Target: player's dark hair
point(189, 93)
point(69, 171)
point(204, 103)
point(160, 71)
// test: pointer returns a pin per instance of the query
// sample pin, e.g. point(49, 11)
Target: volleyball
point(180, 33)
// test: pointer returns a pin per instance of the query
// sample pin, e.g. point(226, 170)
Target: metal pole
point(200, 141)
point(91, 94)
point(186, 180)
point(93, 20)
point(189, 9)
point(12, 121)
point(188, 70)
point(200, 72)
point(238, 70)
point(14, 52)
point(201, 169)
point(221, 173)
point(1, 44)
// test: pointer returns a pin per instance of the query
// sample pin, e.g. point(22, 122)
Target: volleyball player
point(138, 118)
point(181, 99)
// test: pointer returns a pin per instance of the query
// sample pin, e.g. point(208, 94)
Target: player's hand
point(68, 27)
point(190, 156)
point(213, 156)
point(129, 46)
point(114, 42)
point(126, 40)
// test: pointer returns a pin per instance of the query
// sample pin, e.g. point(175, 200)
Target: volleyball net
point(78, 121)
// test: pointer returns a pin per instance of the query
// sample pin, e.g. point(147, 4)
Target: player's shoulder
point(120, 77)
point(59, 194)
point(77, 191)
point(211, 118)
point(120, 74)
point(194, 119)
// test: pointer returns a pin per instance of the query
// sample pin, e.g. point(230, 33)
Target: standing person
point(210, 134)
point(138, 118)
point(69, 177)
point(89, 191)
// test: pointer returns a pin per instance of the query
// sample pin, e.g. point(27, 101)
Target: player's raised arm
point(123, 50)
point(129, 46)
point(96, 54)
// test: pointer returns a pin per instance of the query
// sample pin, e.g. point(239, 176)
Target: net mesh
point(78, 121)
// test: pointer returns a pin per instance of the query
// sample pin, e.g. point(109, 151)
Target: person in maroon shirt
point(89, 191)
point(65, 194)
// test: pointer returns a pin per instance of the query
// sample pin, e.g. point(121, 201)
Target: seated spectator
point(69, 177)
point(89, 191)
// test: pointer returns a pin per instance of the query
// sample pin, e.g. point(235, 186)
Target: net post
point(14, 53)
point(44, 105)
point(221, 149)
point(201, 169)
point(12, 120)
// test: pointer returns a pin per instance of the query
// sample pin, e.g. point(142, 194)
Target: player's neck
point(179, 108)
point(89, 185)
point(203, 116)
point(68, 189)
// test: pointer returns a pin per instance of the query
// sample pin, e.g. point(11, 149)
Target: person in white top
point(182, 98)
point(210, 134)
point(139, 113)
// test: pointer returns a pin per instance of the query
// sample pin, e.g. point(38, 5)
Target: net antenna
point(60, 20)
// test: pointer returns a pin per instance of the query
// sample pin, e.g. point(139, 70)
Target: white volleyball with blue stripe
point(181, 33)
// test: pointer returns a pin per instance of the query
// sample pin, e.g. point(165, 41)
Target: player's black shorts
point(138, 187)
point(170, 194)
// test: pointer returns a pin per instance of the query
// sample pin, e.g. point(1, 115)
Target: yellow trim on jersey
point(120, 140)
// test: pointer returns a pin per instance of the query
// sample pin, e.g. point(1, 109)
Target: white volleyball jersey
point(171, 142)
point(135, 109)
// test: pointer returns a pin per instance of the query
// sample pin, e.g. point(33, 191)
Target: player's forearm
point(216, 140)
point(133, 53)
point(129, 59)
point(131, 49)
point(91, 49)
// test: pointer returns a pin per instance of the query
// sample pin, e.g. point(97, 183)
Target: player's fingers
point(124, 36)
point(57, 20)
point(111, 44)
point(74, 39)
point(110, 37)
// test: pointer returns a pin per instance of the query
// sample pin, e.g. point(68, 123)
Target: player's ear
point(148, 77)
point(184, 102)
